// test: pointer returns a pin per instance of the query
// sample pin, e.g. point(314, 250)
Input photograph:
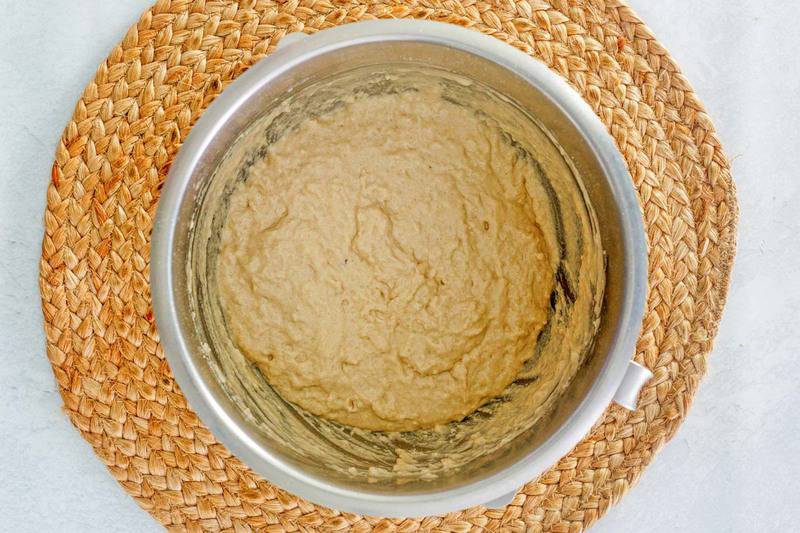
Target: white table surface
point(733, 466)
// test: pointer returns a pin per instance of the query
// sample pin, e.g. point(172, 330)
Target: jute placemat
point(116, 151)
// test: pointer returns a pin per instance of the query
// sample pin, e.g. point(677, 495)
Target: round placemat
point(115, 153)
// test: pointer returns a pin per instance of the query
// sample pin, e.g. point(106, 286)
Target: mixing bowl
point(332, 464)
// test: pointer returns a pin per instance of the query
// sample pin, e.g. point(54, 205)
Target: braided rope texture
point(115, 153)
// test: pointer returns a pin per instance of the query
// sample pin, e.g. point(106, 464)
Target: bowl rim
point(242, 442)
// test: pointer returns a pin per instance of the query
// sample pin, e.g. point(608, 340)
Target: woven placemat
point(116, 151)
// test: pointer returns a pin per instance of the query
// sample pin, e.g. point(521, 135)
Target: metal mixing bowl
point(608, 373)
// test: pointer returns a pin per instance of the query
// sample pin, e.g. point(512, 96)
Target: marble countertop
point(732, 467)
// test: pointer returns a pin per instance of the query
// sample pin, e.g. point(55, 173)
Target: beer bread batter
point(383, 264)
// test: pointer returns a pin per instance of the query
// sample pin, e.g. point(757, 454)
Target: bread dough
point(383, 264)
point(528, 409)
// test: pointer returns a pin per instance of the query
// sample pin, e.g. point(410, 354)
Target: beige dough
point(383, 264)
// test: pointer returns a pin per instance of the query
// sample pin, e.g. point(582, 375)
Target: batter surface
point(383, 264)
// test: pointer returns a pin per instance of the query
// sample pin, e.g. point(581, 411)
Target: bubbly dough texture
point(383, 264)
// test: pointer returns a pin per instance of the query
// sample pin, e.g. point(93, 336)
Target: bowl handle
point(635, 378)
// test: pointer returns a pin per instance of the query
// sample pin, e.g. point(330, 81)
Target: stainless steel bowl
point(608, 373)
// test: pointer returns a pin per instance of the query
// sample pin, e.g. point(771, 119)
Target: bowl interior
point(505, 432)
